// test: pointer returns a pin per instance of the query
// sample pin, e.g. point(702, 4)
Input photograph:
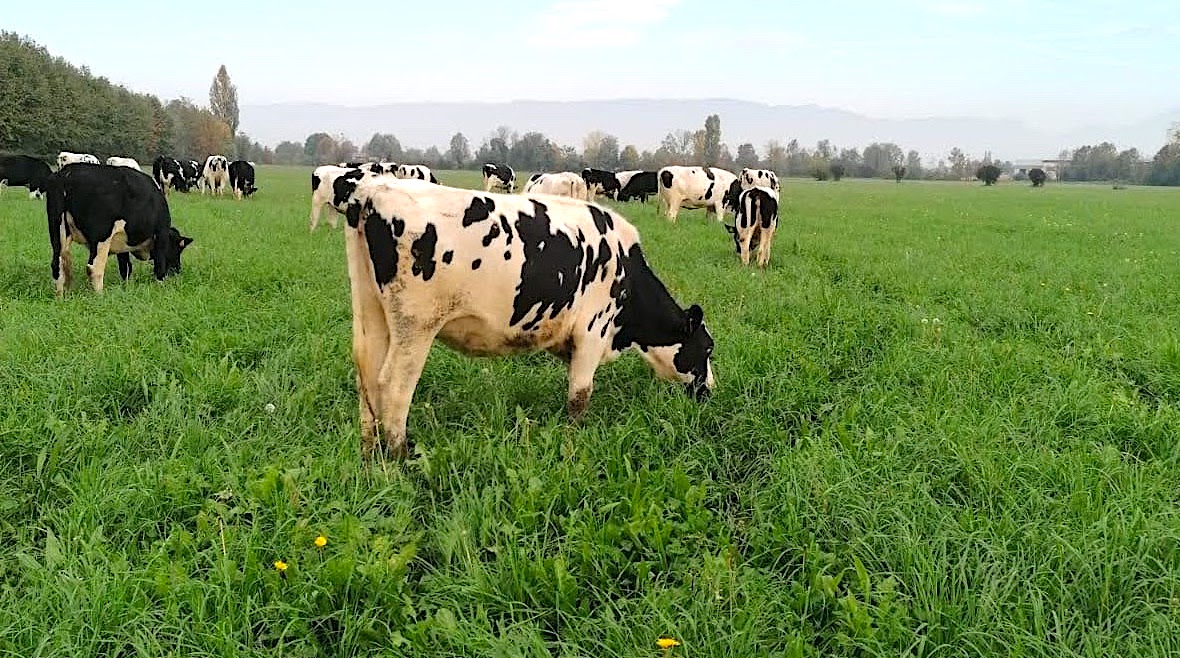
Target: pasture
point(946, 424)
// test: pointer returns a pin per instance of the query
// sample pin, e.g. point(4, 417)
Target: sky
point(1055, 64)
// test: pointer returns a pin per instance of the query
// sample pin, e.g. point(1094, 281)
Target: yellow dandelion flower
point(666, 643)
point(280, 566)
point(321, 541)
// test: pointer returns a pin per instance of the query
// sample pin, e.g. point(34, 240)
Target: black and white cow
point(65, 158)
point(494, 274)
point(24, 171)
point(323, 180)
point(116, 161)
point(110, 210)
point(637, 185)
point(215, 174)
point(600, 181)
point(694, 187)
point(241, 178)
point(755, 221)
point(752, 178)
point(566, 183)
point(415, 172)
point(499, 177)
point(194, 174)
point(169, 173)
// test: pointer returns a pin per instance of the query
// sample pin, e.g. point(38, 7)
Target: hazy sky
point(1054, 63)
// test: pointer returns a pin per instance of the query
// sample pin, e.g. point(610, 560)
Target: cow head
point(687, 361)
point(174, 244)
point(250, 189)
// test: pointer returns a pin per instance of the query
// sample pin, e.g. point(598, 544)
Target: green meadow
point(946, 423)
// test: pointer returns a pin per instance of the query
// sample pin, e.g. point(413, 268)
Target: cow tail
point(55, 213)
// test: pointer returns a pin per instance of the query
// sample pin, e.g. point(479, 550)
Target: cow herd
point(487, 273)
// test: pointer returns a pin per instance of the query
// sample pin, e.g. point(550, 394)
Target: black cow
point(193, 173)
point(168, 172)
point(241, 178)
point(637, 185)
point(110, 210)
point(600, 181)
point(499, 177)
point(25, 171)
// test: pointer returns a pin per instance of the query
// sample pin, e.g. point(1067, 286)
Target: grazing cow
point(65, 157)
point(216, 174)
point(169, 172)
point(494, 274)
point(637, 185)
point(599, 181)
point(241, 178)
point(499, 177)
point(110, 210)
point(751, 178)
point(416, 172)
point(116, 161)
point(694, 187)
point(755, 221)
point(565, 183)
point(194, 174)
point(323, 180)
point(26, 171)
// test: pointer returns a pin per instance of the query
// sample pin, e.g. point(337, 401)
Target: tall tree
point(629, 159)
point(383, 147)
point(223, 100)
point(776, 157)
point(712, 139)
point(460, 151)
point(747, 157)
point(913, 165)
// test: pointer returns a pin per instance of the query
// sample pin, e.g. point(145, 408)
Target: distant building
point(1052, 168)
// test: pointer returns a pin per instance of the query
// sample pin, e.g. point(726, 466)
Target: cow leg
point(237, 194)
point(124, 265)
point(747, 235)
point(764, 246)
point(334, 219)
point(65, 264)
point(403, 366)
point(97, 265)
point(583, 362)
point(313, 218)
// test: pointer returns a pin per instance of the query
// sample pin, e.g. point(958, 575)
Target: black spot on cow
point(476, 263)
point(709, 192)
point(315, 182)
point(596, 263)
point(344, 186)
point(666, 179)
point(422, 250)
point(549, 278)
point(448, 257)
point(493, 233)
point(602, 220)
point(382, 246)
point(479, 210)
point(507, 255)
point(709, 174)
point(507, 229)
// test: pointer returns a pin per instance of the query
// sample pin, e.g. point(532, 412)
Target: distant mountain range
point(646, 122)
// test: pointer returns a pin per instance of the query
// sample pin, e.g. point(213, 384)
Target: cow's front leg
point(399, 377)
point(124, 265)
point(583, 362)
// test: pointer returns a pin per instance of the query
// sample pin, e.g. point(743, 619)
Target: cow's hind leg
point(747, 235)
point(97, 265)
point(583, 362)
point(403, 366)
point(124, 265)
point(64, 271)
point(764, 246)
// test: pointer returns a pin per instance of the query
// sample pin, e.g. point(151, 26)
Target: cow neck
point(650, 317)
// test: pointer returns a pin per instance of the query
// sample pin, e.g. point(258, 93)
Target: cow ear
point(731, 229)
point(184, 242)
point(696, 317)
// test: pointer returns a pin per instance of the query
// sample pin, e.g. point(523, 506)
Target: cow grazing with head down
point(755, 221)
point(323, 181)
point(110, 210)
point(600, 181)
point(415, 172)
point(241, 178)
point(499, 177)
point(215, 174)
point(66, 158)
point(26, 171)
point(194, 174)
point(694, 187)
point(566, 183)
point(494, 274)
point(169, 172)
point(116, 161)
point(637, 185)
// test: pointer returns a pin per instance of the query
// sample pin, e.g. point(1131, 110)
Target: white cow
point(415, 172)
point(215, 176)
point(566, 184)
point(752, 178)
point(500, 177)
point(493, 274)
point(755, 221)
point(65, 157)
point(116, 161)
point(324, 178)
point(694, 187)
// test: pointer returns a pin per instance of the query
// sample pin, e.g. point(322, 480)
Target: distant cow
point(499, 177)
point(116, 161)
point(110, 210)
point(637, 185)
point(1037, 176)
point(323, 193)
point(566, 184)
point(600, 181)
point(216, 174)
point(755, 221)
point(416, 172)
point(168, 172)
point(241, 178)
point(752, 178)
point(24, 171)
point(694, 187)
point(194, 174)
point(65, 157)
point(494, 274)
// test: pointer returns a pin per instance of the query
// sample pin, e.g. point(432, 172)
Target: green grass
point(866, 481)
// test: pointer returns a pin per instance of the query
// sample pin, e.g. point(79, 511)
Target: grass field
point(946, 424)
